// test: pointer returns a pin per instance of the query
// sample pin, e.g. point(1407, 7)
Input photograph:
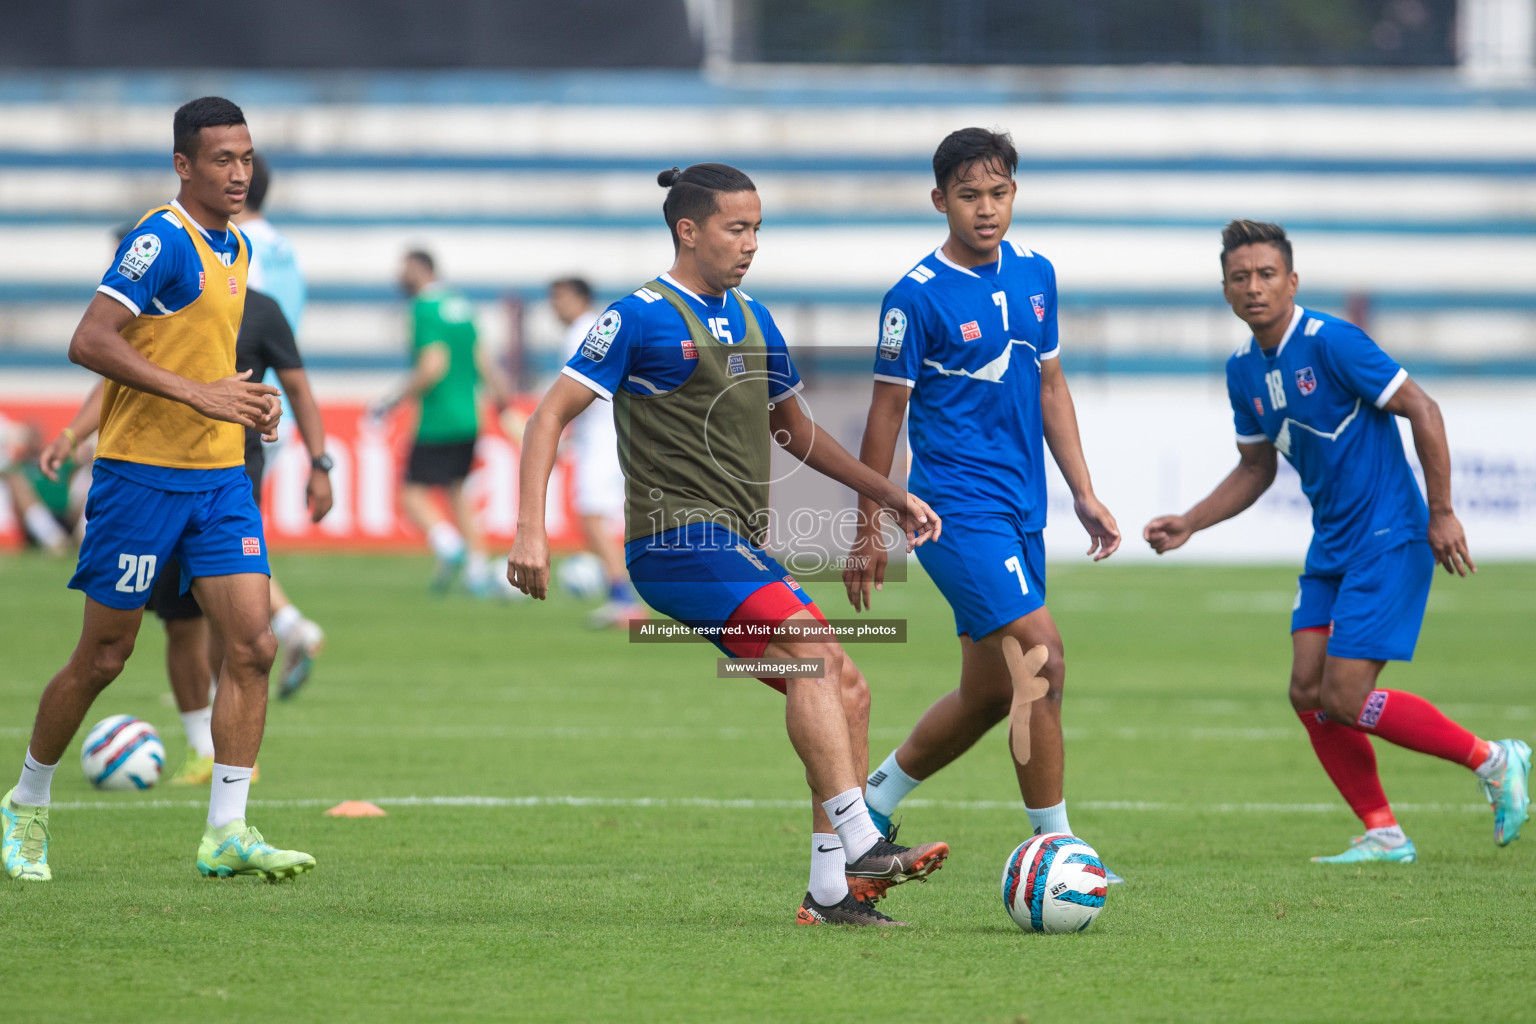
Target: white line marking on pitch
point(639, 803)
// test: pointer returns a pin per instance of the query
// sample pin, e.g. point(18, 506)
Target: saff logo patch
point(250, 545)
point(141, 253)
point(736, 365)
point(1037, 303)
point(600, 338)
point(1306, 381)
point(893, 331)
point(970, 331)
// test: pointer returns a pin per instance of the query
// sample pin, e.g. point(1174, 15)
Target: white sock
point(888, 786)
point(1492, 768)
point(231, 788)
point(284, 621)
point(36, 782)
point(850, 819)
point(199, 727)
point(445, 541)
point(1049, 819)
point(828, 882)
point(43, 527)
point(1389, 837)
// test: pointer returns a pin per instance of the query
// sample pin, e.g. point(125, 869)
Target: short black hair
point(692, 194)
point(1239, 233)
point(578, 285)
point(192, 117)
point(960, 149)
point(424, 258)
point(261, 178)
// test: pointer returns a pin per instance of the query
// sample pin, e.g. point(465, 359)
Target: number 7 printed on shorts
point(1013, 566)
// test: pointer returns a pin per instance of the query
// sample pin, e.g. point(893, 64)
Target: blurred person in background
point(448, 368)
point(599, 479)
point(49, 506)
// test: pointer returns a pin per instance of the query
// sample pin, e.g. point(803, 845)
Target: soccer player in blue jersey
point(969, 350)
point(1320, 392)
point(701, 383)
point(169, 480)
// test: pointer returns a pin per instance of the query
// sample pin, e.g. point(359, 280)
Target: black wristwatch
point(322, 462)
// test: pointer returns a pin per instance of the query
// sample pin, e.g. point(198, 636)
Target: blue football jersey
point(641, 344)
point(969, 343)
point(1318, 397)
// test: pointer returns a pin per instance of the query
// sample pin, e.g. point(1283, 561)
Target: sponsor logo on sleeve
point(690, 350)
point(1306, 381)
point(250, 545)
point(600, 338)
point(736, 365)
point(893, 331)
point(1258, 406)
point(970, 331)
point(141, 253)
point(1037, 303)
point(789, 581)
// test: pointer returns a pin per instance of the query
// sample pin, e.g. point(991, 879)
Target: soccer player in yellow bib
point(169, 480)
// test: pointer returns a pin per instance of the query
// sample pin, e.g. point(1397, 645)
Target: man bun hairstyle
point(192, 117)
point(693, 194)
point(261, 178)
point(1239, 233)
point(967, 147)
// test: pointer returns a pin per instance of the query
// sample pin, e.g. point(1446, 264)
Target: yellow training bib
point(198, 343)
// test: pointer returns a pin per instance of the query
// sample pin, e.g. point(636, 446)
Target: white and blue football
point(1053, 883)
point(122, 752)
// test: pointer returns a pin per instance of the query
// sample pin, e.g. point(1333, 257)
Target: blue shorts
point(1375, 609)
point(701, 574)
point(131, 530)
point(989, 569)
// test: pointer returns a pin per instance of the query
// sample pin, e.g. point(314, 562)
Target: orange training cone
point(355, 809)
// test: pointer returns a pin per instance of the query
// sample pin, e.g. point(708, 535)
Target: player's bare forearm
point(1058, 416)
point(882, 429)
point(1247, 482)
point(86, 420)
point(562, 403)
point(821, 452)
point(1423, 415)
point(88, 417)
point(1446, 537)
point(306, 411)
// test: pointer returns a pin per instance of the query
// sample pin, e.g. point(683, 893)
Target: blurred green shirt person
point(443, 317)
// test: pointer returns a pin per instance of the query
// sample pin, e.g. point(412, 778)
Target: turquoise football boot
point(1366, 849)
point(1510, 794)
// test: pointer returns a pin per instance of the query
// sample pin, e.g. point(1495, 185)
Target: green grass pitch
point(1186, 769)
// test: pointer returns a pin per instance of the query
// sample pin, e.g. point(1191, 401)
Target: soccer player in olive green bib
point(701, 383)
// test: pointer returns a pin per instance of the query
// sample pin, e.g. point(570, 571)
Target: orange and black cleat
point(886, 864)
point(846, 911)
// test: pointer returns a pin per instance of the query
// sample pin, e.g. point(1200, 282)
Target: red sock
point(1350, 761)
point(1409, 720)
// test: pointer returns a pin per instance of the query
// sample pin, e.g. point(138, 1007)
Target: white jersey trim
point(799, 385)
point(1251, 438)
point(1052, 354)
point(1392, 387)
point(588, 383)
point(1296, 315)
point(888, 379)
point(938, 254)
point(652, 388)
point(120, 297)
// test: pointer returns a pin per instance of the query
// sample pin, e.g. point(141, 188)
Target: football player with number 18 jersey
point(968, 350)
point(1320, 392)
